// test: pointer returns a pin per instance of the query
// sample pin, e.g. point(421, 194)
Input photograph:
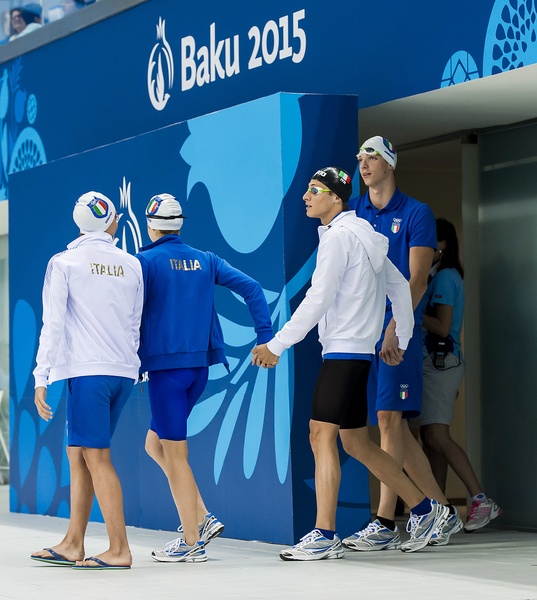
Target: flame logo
point(131, 236)
point(155, 81)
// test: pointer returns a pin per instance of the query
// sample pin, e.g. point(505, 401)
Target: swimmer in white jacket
point(92, 306)
point(347, 300)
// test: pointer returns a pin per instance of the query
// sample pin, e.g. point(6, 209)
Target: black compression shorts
point(340, 395)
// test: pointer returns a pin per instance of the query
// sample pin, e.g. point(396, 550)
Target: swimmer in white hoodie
point(347, 300)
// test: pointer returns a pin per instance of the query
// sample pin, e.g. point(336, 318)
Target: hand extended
point(263, 357)
point(43, 408)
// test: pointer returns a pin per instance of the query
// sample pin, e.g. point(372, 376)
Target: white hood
point(375, 244)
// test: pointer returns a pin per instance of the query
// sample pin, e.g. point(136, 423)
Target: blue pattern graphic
point(511, 36)
point(33, 467)
point(242, 175)
point(24, 344)
point(204, 412)
point(26, 444)
point(46, 481)
point(21, 146)
point(244, 186)
point(461, 67)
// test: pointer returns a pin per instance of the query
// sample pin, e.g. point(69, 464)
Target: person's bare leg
point(439, 466)
point(323, 440)
point(183, 487)
point(358, 444)
point(437, 439)
point(81, 500)
point(154, 449)
point(392, 442)
point(109, 495)
point(418, 468)
point(438, 462)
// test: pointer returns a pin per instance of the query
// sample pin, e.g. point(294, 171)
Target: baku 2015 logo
point(160, 64)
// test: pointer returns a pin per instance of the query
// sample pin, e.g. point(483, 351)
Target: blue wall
point(241, 172)
point(96, 86)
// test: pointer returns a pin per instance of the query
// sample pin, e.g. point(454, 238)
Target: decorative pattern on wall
point(245, 216)
point(21, 146)
point(461, 67)
point(511, 37)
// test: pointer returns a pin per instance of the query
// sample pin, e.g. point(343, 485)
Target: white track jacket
point(347, 297)
point(92, 305)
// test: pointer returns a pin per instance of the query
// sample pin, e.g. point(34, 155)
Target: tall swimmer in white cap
point(395, 393)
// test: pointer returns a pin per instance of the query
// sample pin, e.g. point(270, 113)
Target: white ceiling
point(420, 120)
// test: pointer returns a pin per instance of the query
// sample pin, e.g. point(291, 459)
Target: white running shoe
point(481, 514)
point(209, 528)
point(374, 537)
point(452, 525)
point(422, 527)
point(179, 551)
point(314, 546)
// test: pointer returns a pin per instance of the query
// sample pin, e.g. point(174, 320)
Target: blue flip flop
point(53, 559)
point(100, 566)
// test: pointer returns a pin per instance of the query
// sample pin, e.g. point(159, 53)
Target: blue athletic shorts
point(172, 395)
point(397, 388)
point(94, 403)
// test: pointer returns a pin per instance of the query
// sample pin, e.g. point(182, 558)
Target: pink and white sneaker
point(481, 514)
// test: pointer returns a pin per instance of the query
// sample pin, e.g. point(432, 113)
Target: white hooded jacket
point(347, 297)
point(92, 306)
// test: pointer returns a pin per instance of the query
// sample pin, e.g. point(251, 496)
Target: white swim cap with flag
point(93, 212)
point(381, 146)
point(164, 213)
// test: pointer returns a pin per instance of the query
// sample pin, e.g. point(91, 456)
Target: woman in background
point(443, 371)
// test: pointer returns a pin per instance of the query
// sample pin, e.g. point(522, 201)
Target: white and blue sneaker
point(374, 537)
point(453, 525)
point(209, 528)
point(179, 551)
point(314, 546)
point(422, 527)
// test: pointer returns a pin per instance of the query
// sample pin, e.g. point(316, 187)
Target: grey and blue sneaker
point(452, 525)
point(374, 537)
point(314, 546)
point(210, 528)
point(179, 551)
point(422, 527)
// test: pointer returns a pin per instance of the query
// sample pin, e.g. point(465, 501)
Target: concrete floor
point(489, 564)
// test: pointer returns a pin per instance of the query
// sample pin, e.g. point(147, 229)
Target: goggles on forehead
point(368, 150)
point(317, 190)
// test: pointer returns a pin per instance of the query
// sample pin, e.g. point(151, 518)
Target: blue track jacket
point(180, 327)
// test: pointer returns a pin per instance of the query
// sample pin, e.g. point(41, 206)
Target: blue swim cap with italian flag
point(93, 212)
